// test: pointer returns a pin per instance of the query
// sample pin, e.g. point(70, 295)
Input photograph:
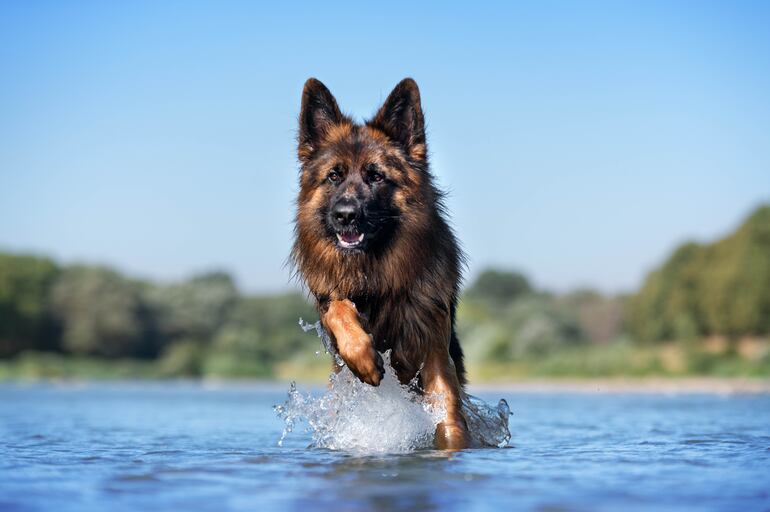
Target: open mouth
point(350, 240)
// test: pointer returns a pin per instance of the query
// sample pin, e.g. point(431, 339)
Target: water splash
point(390, 418)
point(353, 416)
point(487, 425)
point(323, 336)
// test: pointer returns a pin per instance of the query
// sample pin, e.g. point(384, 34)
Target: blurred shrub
point(258, 333)
point(51, 365)
point(25, 322)
point(102, 313)
point(253, 336)
point(193, 309)
point(502, 319)
point(599, 318)
point(183, 358)
point(537, 327)
point(238, 352)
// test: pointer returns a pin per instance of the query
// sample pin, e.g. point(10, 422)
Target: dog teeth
point(352, 243)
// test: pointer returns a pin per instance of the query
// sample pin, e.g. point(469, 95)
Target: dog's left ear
point(401, 119)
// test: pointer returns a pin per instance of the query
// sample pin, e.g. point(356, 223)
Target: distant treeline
point(205, 327)
point(706, 290)
point(199, 326)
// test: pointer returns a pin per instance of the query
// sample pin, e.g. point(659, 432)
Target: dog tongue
point(351, 238)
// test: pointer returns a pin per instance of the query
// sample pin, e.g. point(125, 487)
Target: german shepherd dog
point(373, 246)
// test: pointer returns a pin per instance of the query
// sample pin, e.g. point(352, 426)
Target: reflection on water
point(389, 418)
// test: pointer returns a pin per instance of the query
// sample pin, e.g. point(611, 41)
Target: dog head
point(360, 183)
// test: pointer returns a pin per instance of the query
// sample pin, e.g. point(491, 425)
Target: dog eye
point(334, 176)
point(374, 176)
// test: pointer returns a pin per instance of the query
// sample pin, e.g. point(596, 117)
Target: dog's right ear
point(318, 115)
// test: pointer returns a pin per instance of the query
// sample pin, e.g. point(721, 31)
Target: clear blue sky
point(580, 141)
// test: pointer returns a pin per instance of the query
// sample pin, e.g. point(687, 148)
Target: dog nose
point(345, 212)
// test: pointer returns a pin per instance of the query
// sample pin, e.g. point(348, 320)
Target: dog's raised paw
point(367, 365)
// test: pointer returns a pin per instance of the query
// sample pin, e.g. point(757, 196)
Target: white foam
point(354, 416)
point(390, 418)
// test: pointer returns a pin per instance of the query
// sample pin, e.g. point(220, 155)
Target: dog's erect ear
point(401, 119)
point(319, 113)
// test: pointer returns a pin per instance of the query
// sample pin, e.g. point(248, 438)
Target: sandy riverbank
point(710, 385)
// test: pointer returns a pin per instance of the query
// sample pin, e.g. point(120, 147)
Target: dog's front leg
point(440, 376)
point(354, 344)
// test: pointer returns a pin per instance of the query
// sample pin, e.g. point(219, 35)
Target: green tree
point(258, 333)
point(717, 289)
point(531, 326)
point(666, 306)
point(102, 313)
point(499, 286)
point(25, 322)
point(734, 294)
point(194, 309)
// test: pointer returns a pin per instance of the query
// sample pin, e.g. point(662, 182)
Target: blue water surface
point(187, 446)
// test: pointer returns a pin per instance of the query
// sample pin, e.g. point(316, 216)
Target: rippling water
point(160, 446)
